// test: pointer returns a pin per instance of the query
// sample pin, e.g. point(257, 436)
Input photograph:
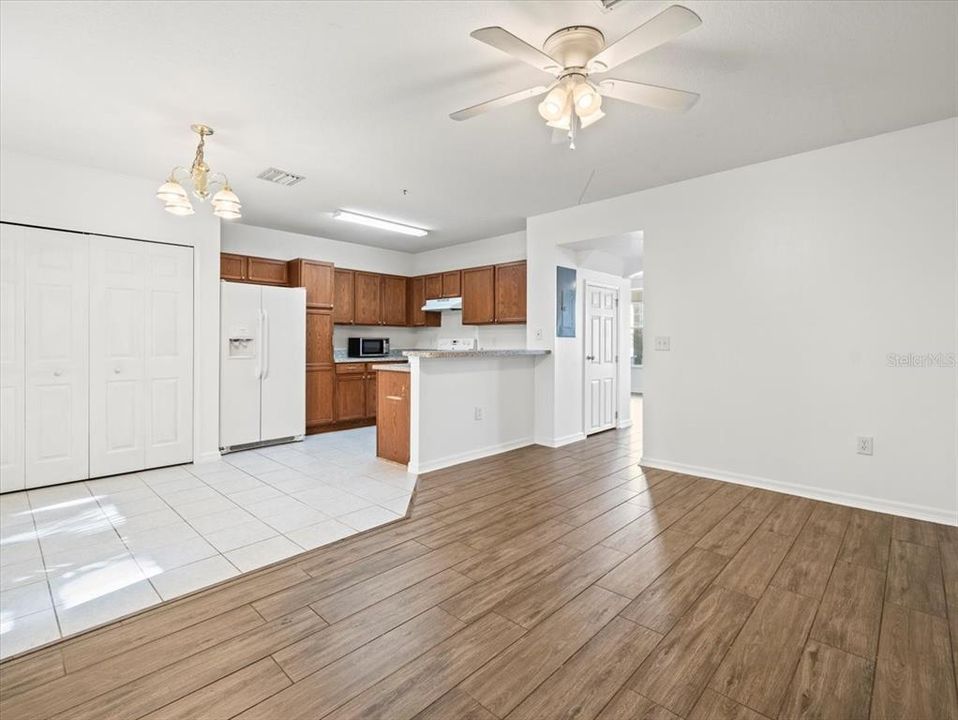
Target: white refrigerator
point(262, 364)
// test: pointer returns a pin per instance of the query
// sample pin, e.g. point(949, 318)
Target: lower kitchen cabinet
point(320, 392)
point(350, 396)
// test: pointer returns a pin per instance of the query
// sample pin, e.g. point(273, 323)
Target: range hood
point(439, 304)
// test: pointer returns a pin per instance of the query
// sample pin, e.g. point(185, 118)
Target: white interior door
point(601, 361)
point(117, 320)
point(168, 371)
point(283, 389)
point(141, 331)
point(56, 357)
point(11, 359)
point(240, 363)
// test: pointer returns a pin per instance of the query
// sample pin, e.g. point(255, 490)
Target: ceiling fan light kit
point(573, 54)
point(175, 198)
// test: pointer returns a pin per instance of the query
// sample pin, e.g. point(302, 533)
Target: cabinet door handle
point(57, 373)
point(116, 371)
point(394, 397)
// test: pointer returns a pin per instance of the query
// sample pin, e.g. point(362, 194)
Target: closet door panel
point(56, 359)
point(117, 407)
point(11, 359)
point(168, 322)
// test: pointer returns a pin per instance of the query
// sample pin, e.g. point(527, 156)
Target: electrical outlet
point(538, 333)
point(478, 413)
point(865, 445)
point(662, 342)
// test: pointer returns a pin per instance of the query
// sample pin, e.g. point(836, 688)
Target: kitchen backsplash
point(488, 336)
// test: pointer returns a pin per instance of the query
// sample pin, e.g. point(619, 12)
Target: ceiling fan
point(573, 55)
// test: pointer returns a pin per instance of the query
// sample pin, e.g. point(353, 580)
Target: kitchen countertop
point(392, 367)
point(473, 353)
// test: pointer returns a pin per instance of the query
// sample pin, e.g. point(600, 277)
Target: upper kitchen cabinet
point(316, 277)
point(368, 299)
point(478, 296)
point(233, 267)
point(511, 293)
point(393, 300)
point(262, 271)
point(494, 294)
point(415, 315)
point(433, 286)
point(267, 272)
point(452, 284)
point(344, 312)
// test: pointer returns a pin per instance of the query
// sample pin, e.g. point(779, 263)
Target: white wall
point(783, 287)
point(47, 193)
point(444, 395)
point(488, 251)
point(281, 245)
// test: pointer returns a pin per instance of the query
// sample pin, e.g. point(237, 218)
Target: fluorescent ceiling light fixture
point(378, 223)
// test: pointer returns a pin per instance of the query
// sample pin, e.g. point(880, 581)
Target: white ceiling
point(355, 95)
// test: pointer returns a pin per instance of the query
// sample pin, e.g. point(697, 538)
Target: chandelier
point(177, 201)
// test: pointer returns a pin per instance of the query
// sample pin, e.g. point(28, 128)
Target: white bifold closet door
point(56, 356)
point(141, 350)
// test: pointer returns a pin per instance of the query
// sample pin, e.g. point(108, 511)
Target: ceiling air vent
point(280, 177)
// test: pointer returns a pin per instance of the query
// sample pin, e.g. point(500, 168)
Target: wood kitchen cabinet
point(267, 272)
point(258, 270)
point(393, 300)
point(319, 337)
point(433, 286)
point(510, 292)
point(320, 373)
point(343, 297)
point(350, 395)
point(320, 391)
point(233, 267)
point(452, 283)
point(478, 296)
point(368, 299)
point(415, 315)
point(316, 277)
point(392, 421)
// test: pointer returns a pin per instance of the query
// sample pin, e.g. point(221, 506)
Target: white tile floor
point(77, 555)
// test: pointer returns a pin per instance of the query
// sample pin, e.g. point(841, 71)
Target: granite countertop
point(473, 353)
point(392, 367)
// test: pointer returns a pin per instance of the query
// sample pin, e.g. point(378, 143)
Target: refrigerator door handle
point(265, 344)
point(259, 350)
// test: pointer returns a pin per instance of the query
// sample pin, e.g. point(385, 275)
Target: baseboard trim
point(458, 459)
point(624, 425)
point(918, 512)
point(559, 442)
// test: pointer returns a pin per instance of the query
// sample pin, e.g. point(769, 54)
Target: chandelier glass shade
point(202, 181)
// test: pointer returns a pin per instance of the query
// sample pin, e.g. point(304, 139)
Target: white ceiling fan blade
point(662, 98)
point(502, 39)
point(667, 25)
point(498, 102)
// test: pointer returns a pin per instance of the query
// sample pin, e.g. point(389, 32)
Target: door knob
point(590, 357)
point(116, 371)
point(57, 373)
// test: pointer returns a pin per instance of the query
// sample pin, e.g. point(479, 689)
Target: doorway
point(601, 360)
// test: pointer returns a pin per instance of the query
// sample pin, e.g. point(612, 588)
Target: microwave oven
point(367, 347)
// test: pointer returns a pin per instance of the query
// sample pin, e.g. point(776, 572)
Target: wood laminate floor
point(543, 584)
